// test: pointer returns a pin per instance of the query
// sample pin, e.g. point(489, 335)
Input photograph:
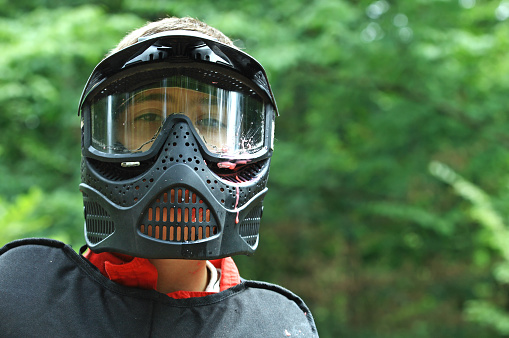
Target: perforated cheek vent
point(179, 215)
point(98, 223)
point(250, 227)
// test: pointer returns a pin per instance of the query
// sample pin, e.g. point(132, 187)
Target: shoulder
point(24, 252)
point(34, 253)
point(31, 241)
point(281, 305)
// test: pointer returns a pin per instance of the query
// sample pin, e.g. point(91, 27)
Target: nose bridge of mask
point(181, 144)
point(183, 140)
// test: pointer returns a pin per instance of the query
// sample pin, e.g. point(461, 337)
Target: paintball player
point(177, 134)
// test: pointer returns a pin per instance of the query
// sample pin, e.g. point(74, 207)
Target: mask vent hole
point(178, 233)
point(98, 223)
point(179, 215)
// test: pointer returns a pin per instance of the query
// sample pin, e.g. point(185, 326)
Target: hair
point(169, 24)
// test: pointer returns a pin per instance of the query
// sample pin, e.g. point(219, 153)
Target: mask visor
point(127, 118)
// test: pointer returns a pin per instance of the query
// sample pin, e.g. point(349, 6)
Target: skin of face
point(146, 111)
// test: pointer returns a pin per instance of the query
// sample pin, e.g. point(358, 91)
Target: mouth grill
point(179, 215)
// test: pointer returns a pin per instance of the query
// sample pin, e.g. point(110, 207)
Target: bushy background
point(388, 198)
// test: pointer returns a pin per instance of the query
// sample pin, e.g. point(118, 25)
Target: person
point(177, 134)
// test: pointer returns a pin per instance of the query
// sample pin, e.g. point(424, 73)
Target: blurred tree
point(47, 55)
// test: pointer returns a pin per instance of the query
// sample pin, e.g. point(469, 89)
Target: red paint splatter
point(227, 165)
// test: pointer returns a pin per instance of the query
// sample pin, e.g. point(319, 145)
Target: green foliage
point(46, 58)
point(38, 214)
point(19, 216)
point(488, 311)
point(378, 241)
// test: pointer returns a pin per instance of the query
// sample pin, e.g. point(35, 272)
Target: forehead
point(165, 93)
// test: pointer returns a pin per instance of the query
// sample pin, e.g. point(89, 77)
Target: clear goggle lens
point(231, 123)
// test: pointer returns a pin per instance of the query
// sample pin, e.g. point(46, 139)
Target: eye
point(148, 117)
point(210, 122)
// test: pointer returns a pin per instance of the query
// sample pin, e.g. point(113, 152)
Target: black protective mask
point(177, 138)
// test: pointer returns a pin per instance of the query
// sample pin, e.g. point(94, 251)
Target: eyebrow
point(139, 98)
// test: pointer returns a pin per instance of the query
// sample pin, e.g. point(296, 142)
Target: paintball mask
point(177, 135)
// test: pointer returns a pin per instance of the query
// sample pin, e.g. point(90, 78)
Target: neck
point(180, 275)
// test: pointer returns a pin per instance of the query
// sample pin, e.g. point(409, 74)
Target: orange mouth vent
point(179, 215)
